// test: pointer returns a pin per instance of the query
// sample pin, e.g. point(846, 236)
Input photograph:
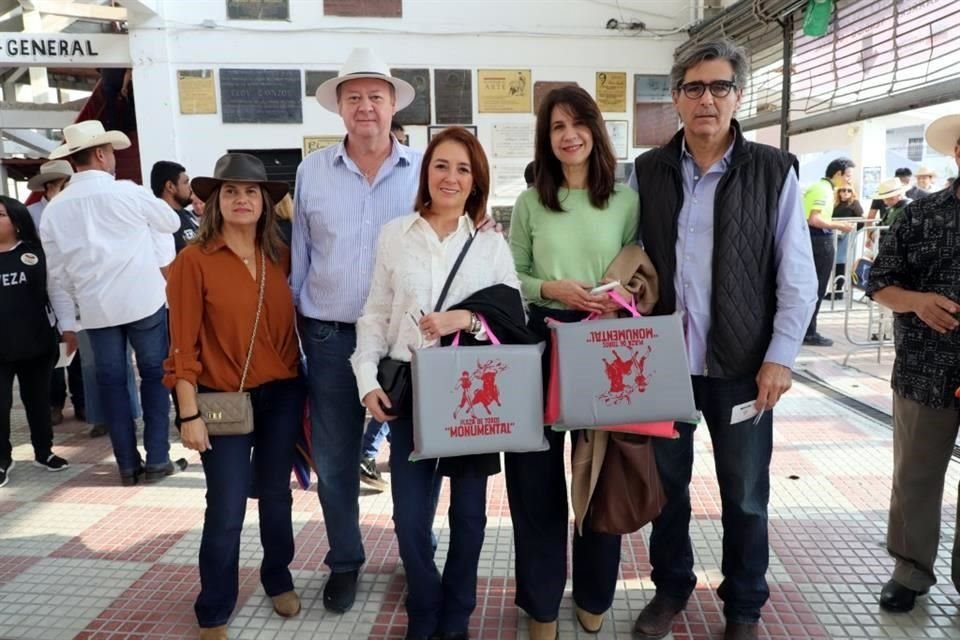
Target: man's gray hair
point(718, 50)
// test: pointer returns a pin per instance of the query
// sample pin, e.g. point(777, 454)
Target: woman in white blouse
point(414, 257)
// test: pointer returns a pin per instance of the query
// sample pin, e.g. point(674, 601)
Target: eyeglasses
point(844, 190)
point(718, 88)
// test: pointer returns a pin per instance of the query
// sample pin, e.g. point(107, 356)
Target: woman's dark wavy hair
point(602, 164)
point(22, 223)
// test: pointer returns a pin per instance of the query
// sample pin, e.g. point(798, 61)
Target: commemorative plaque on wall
point(363, 8)
point(419, 110)
point(314, 79)
point(258, 9)
point(655, 118)
point(504, 91)
point(454, 91)
point(267, 96)
point(196, 91)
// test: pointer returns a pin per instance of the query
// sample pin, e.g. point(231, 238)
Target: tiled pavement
point(81, 557)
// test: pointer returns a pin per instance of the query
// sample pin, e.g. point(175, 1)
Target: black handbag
point(395, 376)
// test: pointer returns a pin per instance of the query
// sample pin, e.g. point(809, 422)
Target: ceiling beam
point(78, 11)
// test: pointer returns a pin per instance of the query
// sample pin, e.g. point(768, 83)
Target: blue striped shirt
point(337, 222)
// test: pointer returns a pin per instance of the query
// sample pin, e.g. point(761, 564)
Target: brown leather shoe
point(741, 631)
point(656, 619)
point(214, 633)
point(590, 622)
point(286, 604)
point(543, 630)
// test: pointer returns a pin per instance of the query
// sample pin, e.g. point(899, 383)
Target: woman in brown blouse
point(212, 290)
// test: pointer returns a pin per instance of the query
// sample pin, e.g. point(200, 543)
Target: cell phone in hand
point(603, 288)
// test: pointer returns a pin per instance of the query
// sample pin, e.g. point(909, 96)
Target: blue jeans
point(336, 416)
point(149, 340)
point(91, 390)
point(742, 458)
point(373, 438)
point(232, 476)
point(435, 603)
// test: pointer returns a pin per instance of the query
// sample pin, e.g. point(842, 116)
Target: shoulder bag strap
point(453, 271)
point(256, 322)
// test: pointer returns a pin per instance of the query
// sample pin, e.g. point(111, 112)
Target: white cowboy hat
point(925, 171)
point(86, 134)
point(943, 134)
point(363, 63)
point(50, 171)
point(889, 188)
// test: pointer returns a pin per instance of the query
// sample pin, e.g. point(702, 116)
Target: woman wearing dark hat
point(227, 291)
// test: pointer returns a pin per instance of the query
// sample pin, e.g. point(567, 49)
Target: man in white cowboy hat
point(924, 187)
point(51, 178)
point(917, 275)
point(344, 194)
point(106, 242)
point(893, 193)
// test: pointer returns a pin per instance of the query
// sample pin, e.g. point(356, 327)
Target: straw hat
point(238, 167)
point(926, 171)
point(87, 134)
point(50, 171)
point(944, 133)
point(889, 188)
point(363, 63)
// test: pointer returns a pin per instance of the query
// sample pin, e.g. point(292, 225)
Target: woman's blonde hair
point(836, 194)
point(284, 208)
point(268, 234)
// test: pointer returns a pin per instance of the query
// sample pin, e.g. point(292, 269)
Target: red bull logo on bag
point(478, 392)
point(617, 369)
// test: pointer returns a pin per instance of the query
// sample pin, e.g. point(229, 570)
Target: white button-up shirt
point(105, 241)
point(412, 265)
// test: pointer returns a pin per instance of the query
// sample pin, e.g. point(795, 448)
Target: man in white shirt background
point(107, 243)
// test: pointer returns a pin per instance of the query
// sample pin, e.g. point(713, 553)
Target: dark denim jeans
point(537, 491)
point(149, 340)
point(337, 418)
point(742, 458)
point(232, 476)
point(435, 603)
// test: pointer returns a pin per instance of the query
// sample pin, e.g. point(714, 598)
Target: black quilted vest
point(746, 209)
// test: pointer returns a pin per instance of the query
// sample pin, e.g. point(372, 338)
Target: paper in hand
point(64, 360)
point(743, 412)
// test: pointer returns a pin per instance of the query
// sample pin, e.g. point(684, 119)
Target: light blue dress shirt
point(693, 280)
point(337, 220)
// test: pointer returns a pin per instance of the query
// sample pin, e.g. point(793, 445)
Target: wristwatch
point(475, 325)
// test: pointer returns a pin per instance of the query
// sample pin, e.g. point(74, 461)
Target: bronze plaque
point(363, 8)
point(454, 91)
point(419, 110)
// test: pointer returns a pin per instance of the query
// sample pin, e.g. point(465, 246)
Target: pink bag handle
point(619, 299)
point(486, 328)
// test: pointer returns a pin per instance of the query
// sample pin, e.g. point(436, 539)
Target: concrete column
point(155, 89)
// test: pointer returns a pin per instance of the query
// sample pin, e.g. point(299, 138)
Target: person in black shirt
point(917, 275)
point(169, 182)
point(28, 341)
point(846, 205)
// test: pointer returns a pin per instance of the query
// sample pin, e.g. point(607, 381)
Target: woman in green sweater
point(564, 233)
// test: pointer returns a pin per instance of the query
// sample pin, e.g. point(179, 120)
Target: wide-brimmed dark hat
point(238, 167)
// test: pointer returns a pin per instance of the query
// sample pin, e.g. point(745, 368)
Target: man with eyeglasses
point(722, 221)
point(818, 201)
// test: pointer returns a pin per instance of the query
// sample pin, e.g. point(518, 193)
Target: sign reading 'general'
point(102, 50)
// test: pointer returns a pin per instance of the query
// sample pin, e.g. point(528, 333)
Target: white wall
point(558, 40)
